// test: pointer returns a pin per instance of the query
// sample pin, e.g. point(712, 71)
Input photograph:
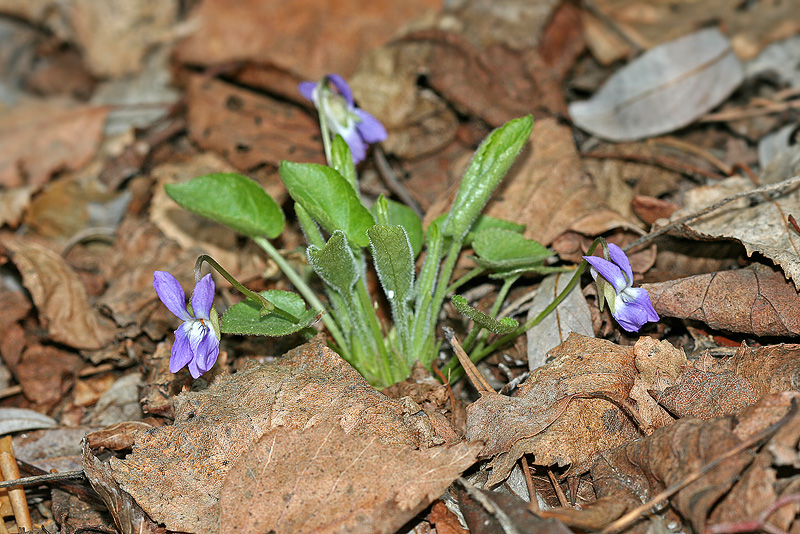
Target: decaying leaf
point(176, 472)
point(666, 88)
point(769, 369)
point(549, 419)
point(706, 395)
point(761, 226)
point(39, 138)
point(572, 315)
point(323, 479)
point(20, 419)
point(60, 297)
point(756, 300)
point(249, 129)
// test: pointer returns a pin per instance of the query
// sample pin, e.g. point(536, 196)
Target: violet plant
point(342, 234)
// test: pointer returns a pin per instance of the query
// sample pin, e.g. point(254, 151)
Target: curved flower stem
point(304, 290)
point(323, 124)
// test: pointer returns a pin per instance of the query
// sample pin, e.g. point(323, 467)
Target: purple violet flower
point(358, 128)
point(197, 339)
point(629, 305)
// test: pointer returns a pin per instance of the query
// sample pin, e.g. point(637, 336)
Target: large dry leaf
point(324, 480)
point(665, 89)
point(547, 191)
point(176, 472)
point(46, 374)
point(546, 420)
point(249, 129)
point(769, 369)
point(761, 225)
point(39, 138)
point(335, 33)
point(706, 395)
point(756, 300)
point(60, 297)
point(572, 315)
point(750, 26)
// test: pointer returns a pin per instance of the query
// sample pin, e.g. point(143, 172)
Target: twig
point(478, 381)
point(394, 185)
point(696, 215)
point(697, 151)
point(562, 499)
point(41, 479)
point(533, 498)
point(630, 517)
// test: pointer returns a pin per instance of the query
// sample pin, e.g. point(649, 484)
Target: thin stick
point(696, 215)
point(533, 498)
point(478, 381)
point(16, 494)
point(41, 479)
point(562, 499)
point(629, 518)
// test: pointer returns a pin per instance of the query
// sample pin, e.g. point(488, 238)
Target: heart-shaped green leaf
point(488, 167)
point(500, 249)
point(244, 318)
point(233, 200)
point(328, 198)
point(335, 263)
point(503, 326)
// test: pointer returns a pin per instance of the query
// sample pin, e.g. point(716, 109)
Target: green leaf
point(402, 215)
point(328, 198)
point(490, 163)
point(244, 318)
point(343, 161)
point(503, 326)
point(482, 223)
point(335, 264)
point(500, 249)
point(233, 200)
point(394, 261)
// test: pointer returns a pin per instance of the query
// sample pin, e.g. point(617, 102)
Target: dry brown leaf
point(750, 27)
point(660, 365)
point(755, 300)
point(761, 225)
point(15, 306)
point(176, 472)
point(547, 192)
point(769, 369)
point(249, 129)
point(545, 418)
point(46, 374)
point(60, 297)
point(39, 138)
point(335, 33)
point(323, 479)
point(13, 203)
point(444, 520)
point(706, 395)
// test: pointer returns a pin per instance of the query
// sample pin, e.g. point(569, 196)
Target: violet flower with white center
point(629, 305)
point(358, 128)
point(197, 339)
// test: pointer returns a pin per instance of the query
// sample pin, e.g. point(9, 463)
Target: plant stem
point(501, 297)
point(474, 273)
point(304, 290)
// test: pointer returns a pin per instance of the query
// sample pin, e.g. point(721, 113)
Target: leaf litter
point(684, 426)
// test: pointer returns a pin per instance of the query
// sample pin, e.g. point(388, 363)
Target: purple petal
point(193, 369)
point(370, 128)
point(203, 297)
point(307, 90)
point(207, 352)
point(619, 257)
point(609, 271)
point(634, 309)
point(341, 86)
point(171, 293)
point(358, 148)
point(181, 352)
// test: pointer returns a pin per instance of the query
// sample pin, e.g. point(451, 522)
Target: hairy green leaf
point(335, 263)
point(488, 167)
point(343, 161)
point(244, 318)
point(503, 326)
point(402, 215)
point(500, 249)
point(233, 200)
point(394, 261)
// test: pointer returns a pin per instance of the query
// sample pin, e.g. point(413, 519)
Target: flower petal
point(358, 148)
point(634, 309)
point(307, 90)
point(181, 352)
point(341, 85)
point(609, 271)
point(207, 353)
point(203, 297)
point(619, 257)
point(193, 369)
point(370, 128)
point(171, 293)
